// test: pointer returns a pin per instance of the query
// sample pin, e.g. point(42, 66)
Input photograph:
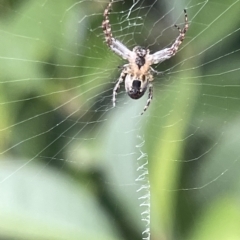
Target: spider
point(138, 73)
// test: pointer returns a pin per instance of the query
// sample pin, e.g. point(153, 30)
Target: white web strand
point(144, 189)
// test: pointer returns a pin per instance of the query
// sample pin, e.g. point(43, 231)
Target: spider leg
point(106, 25)
point(150, 97)
point(167, 53)
point(117, 86)
point(181, 35)
point(115, 45)
point(123, 67)
point(156, 72)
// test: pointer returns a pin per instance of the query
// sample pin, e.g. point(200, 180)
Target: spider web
point(74, 167)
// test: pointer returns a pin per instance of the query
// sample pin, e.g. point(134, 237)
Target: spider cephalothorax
point(138, 73)
point(140, 55)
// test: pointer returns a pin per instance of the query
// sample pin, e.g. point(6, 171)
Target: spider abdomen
point(135, 87)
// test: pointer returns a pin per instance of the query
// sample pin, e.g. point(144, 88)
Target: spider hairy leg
point(167, 53)
point(176, 26)
point(106, 24)
point(186, 20)
point(115, 45)
point(150, 97)
point(156, 72)
point(117, 86)
point(181, 35)
point(122, 67)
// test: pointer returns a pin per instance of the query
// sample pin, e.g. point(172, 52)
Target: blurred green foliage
point(68, 162)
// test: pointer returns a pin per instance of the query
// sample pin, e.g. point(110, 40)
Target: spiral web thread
point(144, 190)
